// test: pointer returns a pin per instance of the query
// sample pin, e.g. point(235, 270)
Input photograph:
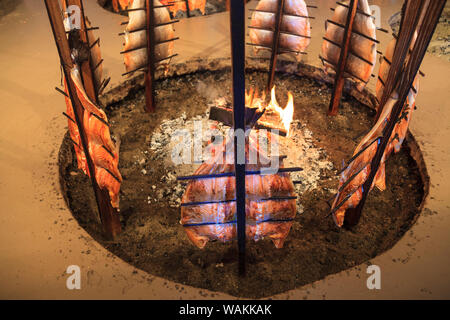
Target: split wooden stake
point(87, 74)
point(340, 69)
point(108, 215)
point(275, 44)
point(423, 13)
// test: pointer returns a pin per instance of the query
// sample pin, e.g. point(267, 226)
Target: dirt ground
point(440, 43)
point(154, 241)
point(8, 6)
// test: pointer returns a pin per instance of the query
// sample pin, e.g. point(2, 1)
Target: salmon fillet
point(102, 149)
point(356, 68)
point(74, 133)
point(266, 216)
point(290, 23)
point(137, 39)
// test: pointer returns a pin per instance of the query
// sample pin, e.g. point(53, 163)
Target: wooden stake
point(339, 80)
point(150, 74)
point(275, 44)
point(237, 30)
point(188, 10)
point(86, 72)
point(401, 78)
point(108, 215)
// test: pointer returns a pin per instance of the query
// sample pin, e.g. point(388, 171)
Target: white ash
point(299, 148)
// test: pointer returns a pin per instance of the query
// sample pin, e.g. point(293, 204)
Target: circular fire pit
point(153, 239)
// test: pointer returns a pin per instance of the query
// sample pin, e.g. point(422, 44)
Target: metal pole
point(237, 30)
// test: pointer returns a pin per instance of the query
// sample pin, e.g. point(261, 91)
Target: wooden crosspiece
point(108, 215)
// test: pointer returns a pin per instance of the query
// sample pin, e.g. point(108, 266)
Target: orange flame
point(253, 100)
point(286, 114)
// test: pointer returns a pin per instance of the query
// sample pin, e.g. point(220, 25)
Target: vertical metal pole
point(275, 43)
point(150, 74)
point(108, 215)
point(237, 30)
point(339, 80)
point(404, 80)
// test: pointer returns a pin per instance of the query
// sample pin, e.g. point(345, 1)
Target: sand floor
point(40, 239)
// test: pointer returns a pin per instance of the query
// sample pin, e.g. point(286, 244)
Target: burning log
point(273, 117)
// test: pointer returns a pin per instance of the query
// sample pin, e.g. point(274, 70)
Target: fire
point(254, 100)
point(286, 114)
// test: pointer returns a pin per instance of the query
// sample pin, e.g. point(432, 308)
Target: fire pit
point(153, 238)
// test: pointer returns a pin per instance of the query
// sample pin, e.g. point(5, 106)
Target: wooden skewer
point(69, 117)
point(61, 91)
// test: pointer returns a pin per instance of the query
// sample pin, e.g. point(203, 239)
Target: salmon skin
point(102, 149)
point(268, 212)
point(294, 22)
point(359, 168)
point(135, 49)
point(356, 68)
point(401, 128)
point(74, 133)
